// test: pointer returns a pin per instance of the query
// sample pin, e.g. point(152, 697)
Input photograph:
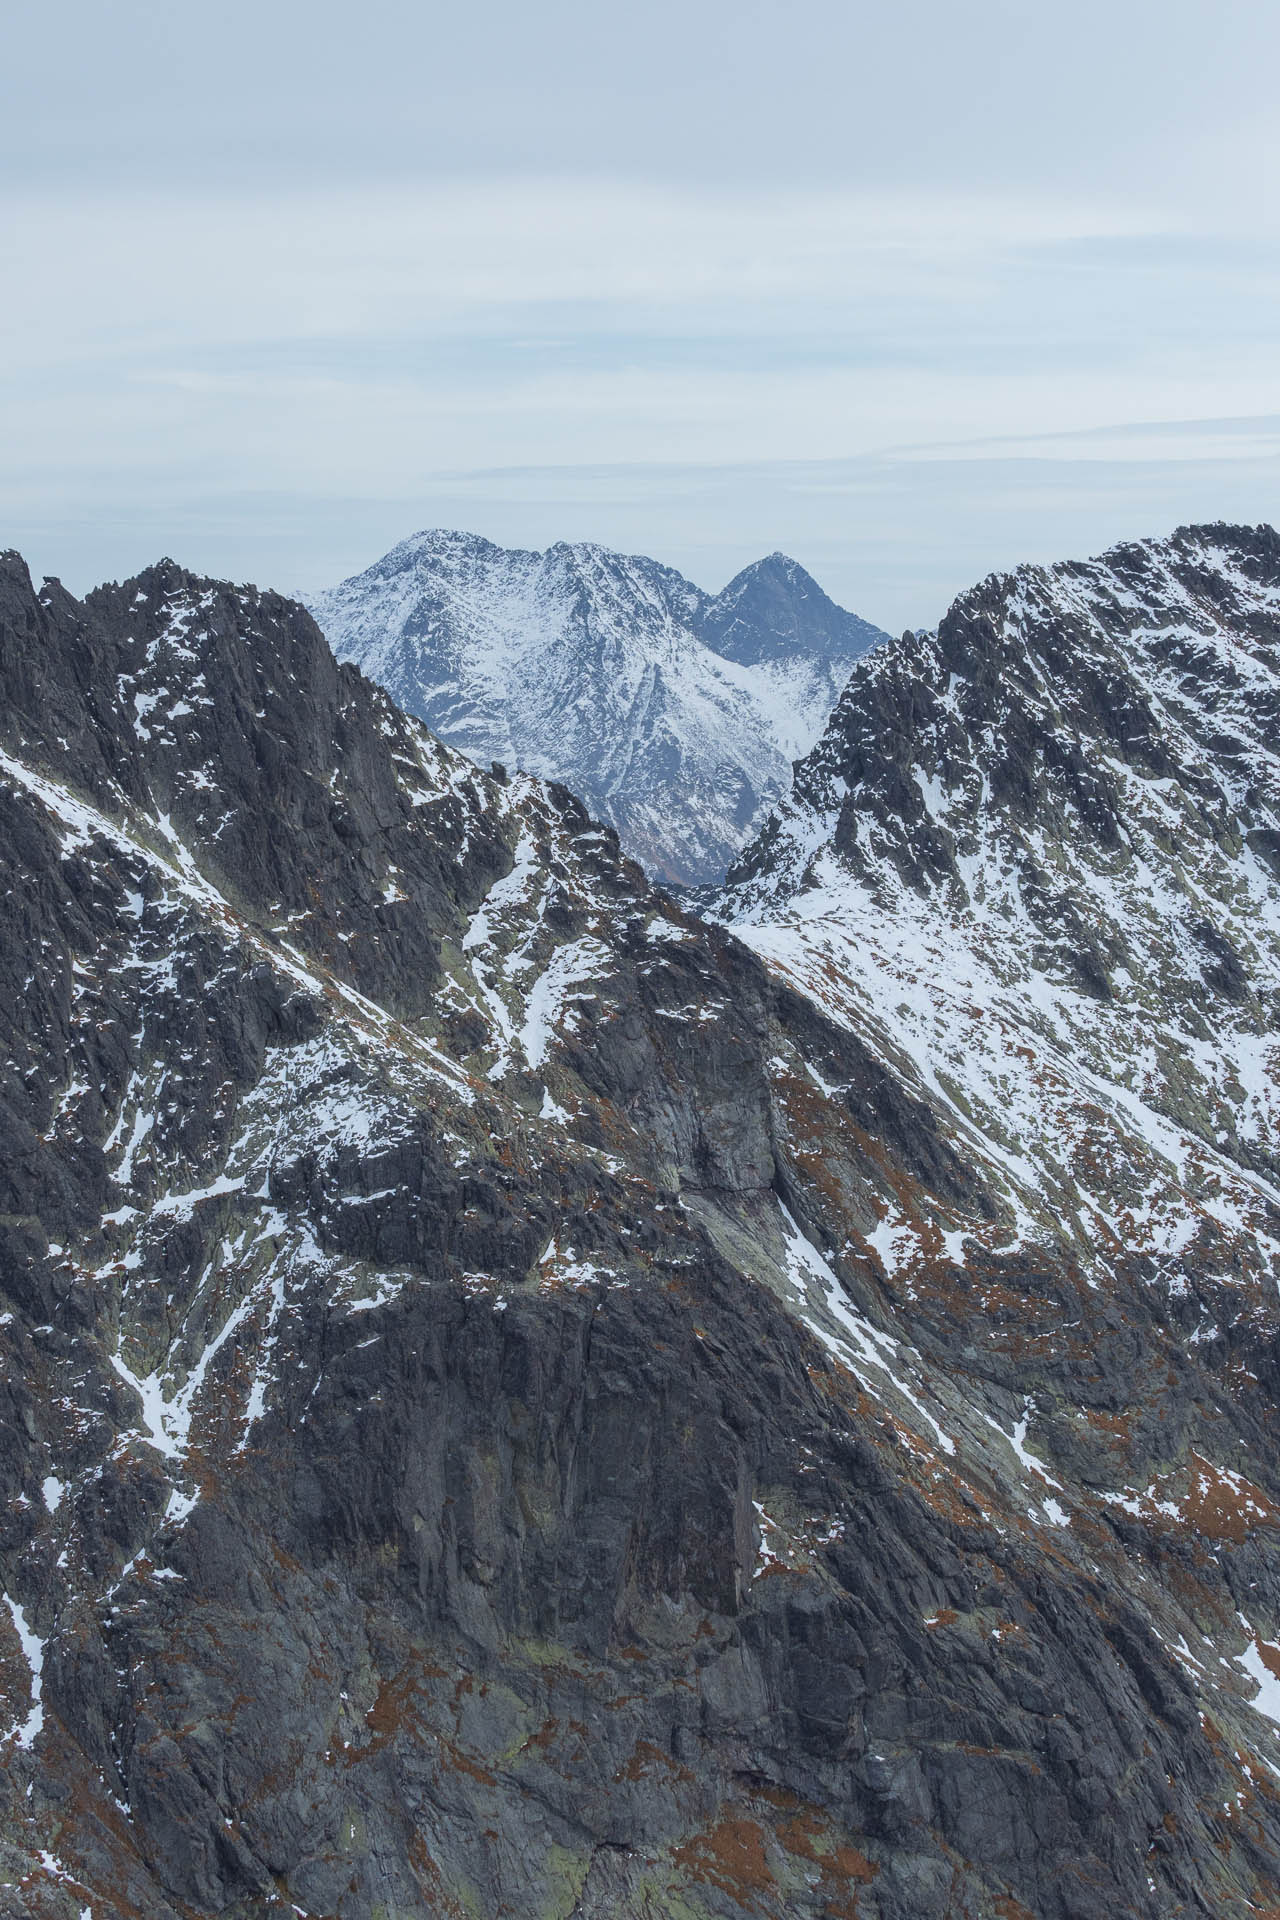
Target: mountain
point(514, 1405)
point(1034, 863)
point(675, 714)
point(1038, 854)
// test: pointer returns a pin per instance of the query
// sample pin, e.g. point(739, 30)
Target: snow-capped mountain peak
point(674, 713)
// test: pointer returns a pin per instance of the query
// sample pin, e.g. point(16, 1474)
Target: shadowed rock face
point(676, 714)
point(470, 1444)
point(773, 612)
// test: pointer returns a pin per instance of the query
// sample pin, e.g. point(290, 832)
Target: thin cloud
point(283, 255)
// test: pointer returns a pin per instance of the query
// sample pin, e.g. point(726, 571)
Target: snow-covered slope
point(1036, 857)
point(675, 715)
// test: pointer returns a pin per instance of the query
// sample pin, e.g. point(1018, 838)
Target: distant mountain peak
point(775, 611)
point(776, 562)
point(676, 714)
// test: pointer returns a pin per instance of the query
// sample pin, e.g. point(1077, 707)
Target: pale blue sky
point(912, 292)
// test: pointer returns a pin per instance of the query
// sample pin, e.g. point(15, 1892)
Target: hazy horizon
point(912, 298)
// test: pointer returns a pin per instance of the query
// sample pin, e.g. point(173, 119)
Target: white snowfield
point(674, 715)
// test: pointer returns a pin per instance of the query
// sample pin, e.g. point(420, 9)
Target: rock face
point(512, 1406)
point(675, 714)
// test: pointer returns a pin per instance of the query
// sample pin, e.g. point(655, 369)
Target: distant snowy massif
point(675, 714)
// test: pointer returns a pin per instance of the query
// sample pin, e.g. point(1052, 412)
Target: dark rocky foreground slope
point(465, 1450)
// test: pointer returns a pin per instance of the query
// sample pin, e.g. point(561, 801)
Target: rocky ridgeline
point(674, 713)
point(515, 1401)
point(1037, 854)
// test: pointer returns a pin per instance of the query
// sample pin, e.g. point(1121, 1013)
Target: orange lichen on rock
point(730, 1855)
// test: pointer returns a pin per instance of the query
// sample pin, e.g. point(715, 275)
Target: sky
point(912, 293)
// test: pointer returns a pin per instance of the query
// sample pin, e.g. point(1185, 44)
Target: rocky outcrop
point(470, 1446)
point(676, 714)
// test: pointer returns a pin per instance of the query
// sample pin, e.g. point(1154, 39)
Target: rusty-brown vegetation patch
point(1223, 1505)
point(730, 1855)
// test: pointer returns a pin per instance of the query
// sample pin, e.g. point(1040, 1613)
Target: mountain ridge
point(1046, 836)
point(516, 1397)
